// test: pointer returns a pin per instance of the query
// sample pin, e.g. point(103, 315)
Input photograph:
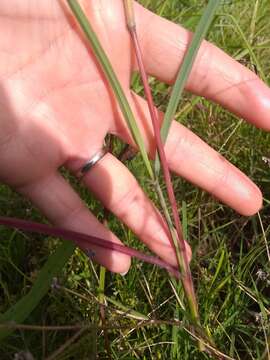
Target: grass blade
point(22, 309)
point(185, 70)
point(112, 78)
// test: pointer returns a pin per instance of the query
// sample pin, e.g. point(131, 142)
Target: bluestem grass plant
point(173, 225)
point(153, 173)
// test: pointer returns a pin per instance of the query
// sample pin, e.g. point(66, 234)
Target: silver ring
point(92, 162)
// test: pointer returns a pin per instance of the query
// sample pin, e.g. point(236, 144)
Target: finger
point(193, 159)
point(63, 207)
point(118, 190)
point(215, 74)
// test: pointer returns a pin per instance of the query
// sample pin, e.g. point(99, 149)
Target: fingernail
point(124, 273)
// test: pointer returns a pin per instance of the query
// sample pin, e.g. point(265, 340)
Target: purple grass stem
point(78, 237)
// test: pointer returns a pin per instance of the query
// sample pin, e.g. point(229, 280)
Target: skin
point(56, 108)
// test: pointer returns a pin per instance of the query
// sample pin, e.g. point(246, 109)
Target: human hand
point(56, 109)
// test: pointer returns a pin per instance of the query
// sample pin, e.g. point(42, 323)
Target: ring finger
point(118, 190)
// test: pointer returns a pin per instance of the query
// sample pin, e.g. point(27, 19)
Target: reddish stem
point(91, 240)
point(186, 274)
point(159, 143)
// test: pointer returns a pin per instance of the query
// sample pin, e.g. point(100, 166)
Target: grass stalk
point(179, 243)
point(102, 300)
point(77, 237)
point(102, 278)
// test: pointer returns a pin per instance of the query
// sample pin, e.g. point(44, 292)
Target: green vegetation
point(230, 265)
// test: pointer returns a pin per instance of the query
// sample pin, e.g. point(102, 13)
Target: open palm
point(56, 109)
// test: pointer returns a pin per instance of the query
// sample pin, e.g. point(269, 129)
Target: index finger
point(215, 74)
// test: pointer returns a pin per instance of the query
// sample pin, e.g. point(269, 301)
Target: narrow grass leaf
point(218, 269)
point(248, 46)
point(112, 78)
point(22, 309)
point(185, 70)
point(184, 220)
point(128, 311)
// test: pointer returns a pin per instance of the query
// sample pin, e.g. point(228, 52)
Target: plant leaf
point(21, 310)
point(185, 70)
point(112, 78)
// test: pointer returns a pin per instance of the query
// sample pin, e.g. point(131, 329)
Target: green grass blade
point(21, 310)
point(184, 220)
point(127, 311)
point(112, 78)
point(248, 46)
point(185, 70)
point(218, 269)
